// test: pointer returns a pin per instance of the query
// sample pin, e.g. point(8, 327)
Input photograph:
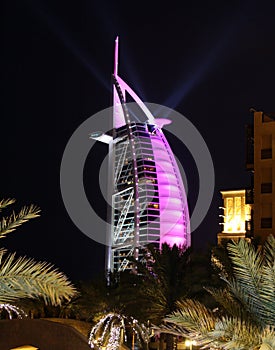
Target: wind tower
point(149, 203)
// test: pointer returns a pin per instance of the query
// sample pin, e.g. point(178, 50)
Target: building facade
point(261, 150)
point(255, 205)
point(149, 203)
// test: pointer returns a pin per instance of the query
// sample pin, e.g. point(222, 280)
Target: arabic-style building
point(249, 213)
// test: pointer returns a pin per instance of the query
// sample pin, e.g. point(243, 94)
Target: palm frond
point(246, 284)
point(248, 301)
point(6, 202)
point(269, 250)
point(10, 223)
point(193, 318)
point(254, 281)
point(268, 294)
point(234, 333)
point(25, 278)
point(2, 253)
point(246, 262)
point(268, 338)
point(227, 301)
point(218, 265)
point(250, 306)
point(266, 346)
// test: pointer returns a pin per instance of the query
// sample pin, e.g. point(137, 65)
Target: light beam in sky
point(68, 41)
point(220, 52)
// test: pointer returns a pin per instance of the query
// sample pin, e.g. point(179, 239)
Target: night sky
point(210, 60)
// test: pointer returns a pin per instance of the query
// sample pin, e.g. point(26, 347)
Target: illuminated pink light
point(118, 116)
point(174, 216)
point(179, 241)
point(116, 58)
point(160, 122)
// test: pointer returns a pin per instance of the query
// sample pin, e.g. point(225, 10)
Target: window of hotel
point(229, 208)
point(233, 221)
point(266, 153)
point(266, 217)
point(266, 222)
point(266, 187)
point(266, 180)
point(238, 213)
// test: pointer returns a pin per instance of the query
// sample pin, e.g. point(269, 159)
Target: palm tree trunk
point(169, 342)
point(161, 341)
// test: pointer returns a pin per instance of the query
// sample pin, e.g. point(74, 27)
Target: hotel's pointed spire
point(116, 58)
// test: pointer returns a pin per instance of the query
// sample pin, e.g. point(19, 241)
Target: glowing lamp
point(190, 343)
point(25, 347)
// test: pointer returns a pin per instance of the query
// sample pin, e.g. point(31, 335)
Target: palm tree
point(246, 318)
point(150, 294)
point(90, 304)
point(23, 277)
point(113, 330)
point(163, 280)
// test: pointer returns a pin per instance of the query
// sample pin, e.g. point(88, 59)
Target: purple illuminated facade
point(149, 202)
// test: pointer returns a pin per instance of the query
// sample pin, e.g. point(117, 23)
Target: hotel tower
point(149, 203)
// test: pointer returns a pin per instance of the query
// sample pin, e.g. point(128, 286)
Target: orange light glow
point(236, 211)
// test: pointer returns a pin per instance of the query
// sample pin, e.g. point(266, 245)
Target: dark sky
point(210, 60)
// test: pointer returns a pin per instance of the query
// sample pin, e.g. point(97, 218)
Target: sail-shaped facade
point(149, 203)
